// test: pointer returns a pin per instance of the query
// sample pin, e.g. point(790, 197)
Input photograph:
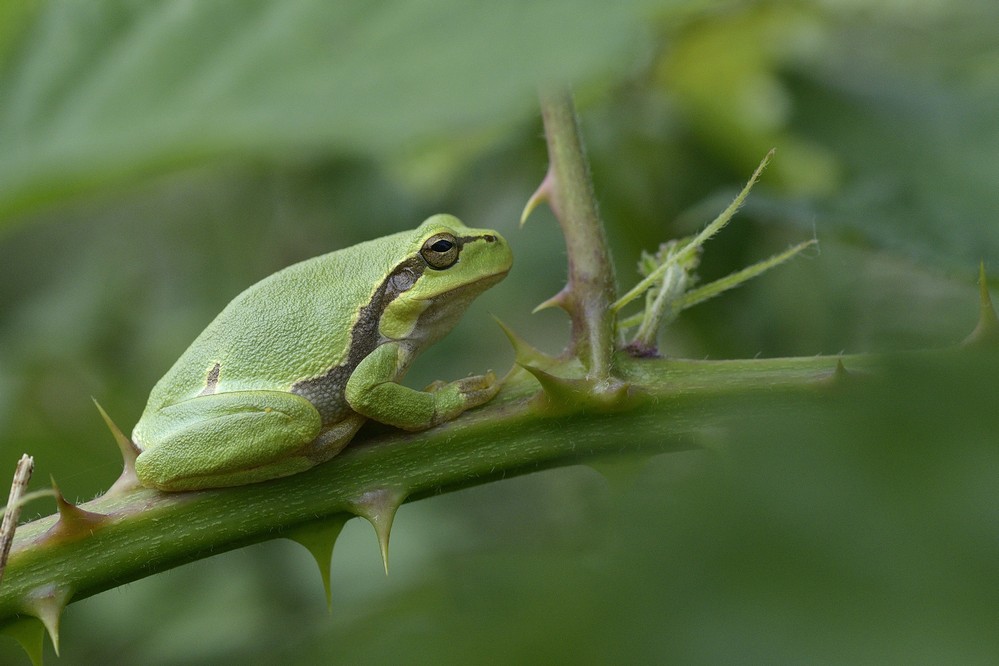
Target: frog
point(282, 379)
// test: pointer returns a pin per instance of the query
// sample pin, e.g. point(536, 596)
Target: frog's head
point(444, 266)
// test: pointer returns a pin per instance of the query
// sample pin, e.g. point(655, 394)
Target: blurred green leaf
point(883, 116)
point(105, 91)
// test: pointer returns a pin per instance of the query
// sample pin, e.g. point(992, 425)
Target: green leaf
point(100, 92)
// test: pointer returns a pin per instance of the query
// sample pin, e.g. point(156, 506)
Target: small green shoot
point(669, 278)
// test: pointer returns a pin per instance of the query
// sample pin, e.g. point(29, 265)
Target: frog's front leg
point(373, 392)
point(228, 439)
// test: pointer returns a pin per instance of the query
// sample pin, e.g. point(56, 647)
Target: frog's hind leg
point(329, 443)
point(227, 439)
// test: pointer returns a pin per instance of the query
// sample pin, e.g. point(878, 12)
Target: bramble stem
point(591, 288)
point(150, 531)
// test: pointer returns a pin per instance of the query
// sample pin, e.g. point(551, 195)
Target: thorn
point(378, 507)
point(564, 395)
point(29, 632)
point(129, 452)
point(561, 395)
point(840, 377)
point(74, 522)
point(542, 194)
point(559, 300)
point(986, 333)
point(611, 393)
point(619, 471)
point(524, 352)
point(840, 373)
point(319, 538)
point(46, 603)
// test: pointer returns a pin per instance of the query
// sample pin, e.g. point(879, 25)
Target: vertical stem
point(590, 289)
point(22, 474)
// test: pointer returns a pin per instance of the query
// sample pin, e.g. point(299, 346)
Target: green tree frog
point(286, 374)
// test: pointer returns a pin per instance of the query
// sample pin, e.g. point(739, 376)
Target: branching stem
point(590, 289)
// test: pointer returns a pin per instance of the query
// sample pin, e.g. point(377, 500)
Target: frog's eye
point(440, 251)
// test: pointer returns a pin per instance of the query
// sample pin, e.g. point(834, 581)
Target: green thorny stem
point(568, 190)
point(589, 293)
point(133, 532)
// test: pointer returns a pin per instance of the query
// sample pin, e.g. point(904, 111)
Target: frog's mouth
point(466, 291)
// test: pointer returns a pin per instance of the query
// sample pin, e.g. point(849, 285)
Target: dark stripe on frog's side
point(326, 390)
point(212, 382)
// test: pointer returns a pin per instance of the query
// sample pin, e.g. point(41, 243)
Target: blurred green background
point(158, 157)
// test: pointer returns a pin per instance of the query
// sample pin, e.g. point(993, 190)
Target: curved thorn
point(74, 522)
point(129, 452)
point(524, 352)
point(542, 194)
point(559, 300)
point(838, 377)
point(319, 538)
point(619, 471)
point(29, 632)
point(563, 395)
point(560, 395)
point(986, 332)
point(378, 507)
point(46, 603)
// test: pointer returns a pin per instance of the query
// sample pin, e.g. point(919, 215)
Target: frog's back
point(292, 325)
